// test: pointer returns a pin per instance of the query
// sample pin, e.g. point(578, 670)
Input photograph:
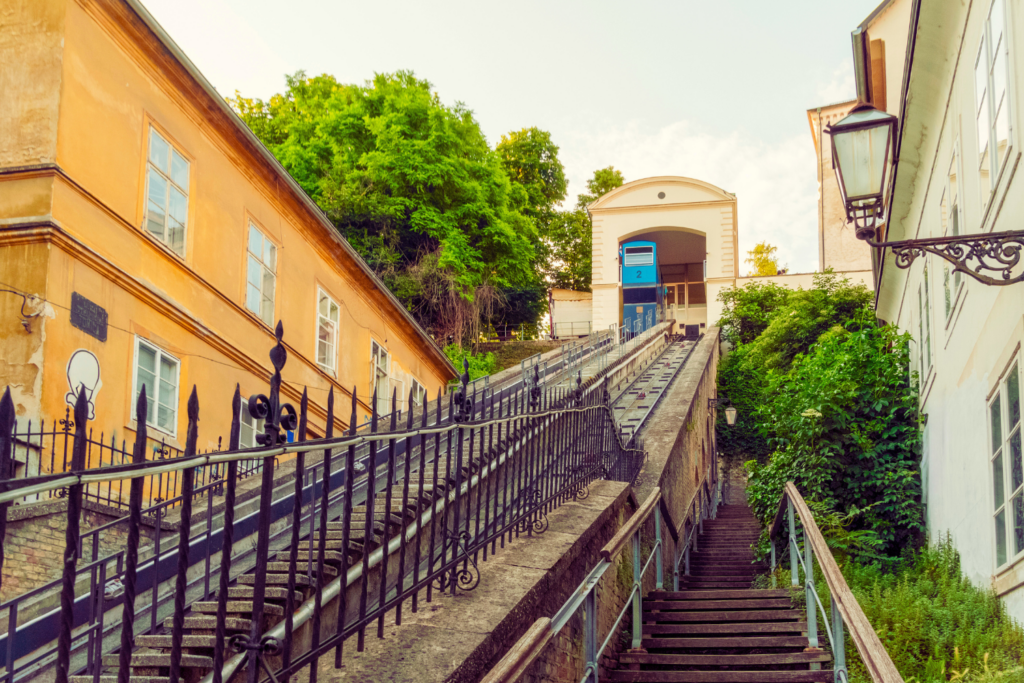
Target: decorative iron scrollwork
point(463, 574)
point(535, 522)
point(277, 416)
point(577, 483)
point(268, 646)
point(995, 252)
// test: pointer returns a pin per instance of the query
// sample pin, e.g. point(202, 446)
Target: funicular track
point(293, 536)
point(633, 405)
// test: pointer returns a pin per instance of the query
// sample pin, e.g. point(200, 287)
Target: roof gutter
point(296, 189)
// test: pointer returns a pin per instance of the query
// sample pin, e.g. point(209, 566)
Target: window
point(638, 256)
point(924, 321)
point(261, 278)
point(250, 427)
point(951, 219)
point(158, 372)
point(380, 363)
point(166, 193)
point(1007, 466)
point(992, 104)
point(326, 331)
point(419, 394)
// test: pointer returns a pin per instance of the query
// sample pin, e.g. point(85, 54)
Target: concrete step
point(113, 679)
point(237, 607)
point(273, 580)
point(300, 568)
point(713, 595)
point(270, 593)
point(188, 641)
point(775, 659)
point(720, 617)
point(748, 604)
point(727, 628)
point(688, 643)
point(159, 660)
point(822, 676)
point(208, 623)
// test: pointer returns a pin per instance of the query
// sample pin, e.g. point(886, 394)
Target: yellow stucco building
point(148, 238)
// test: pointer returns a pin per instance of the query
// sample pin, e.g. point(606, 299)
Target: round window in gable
point(661, 195)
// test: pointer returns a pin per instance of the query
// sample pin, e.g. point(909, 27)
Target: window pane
point(995, 416)
point(158, 149)
point(1002, 135)
point(981, 77)
point(1018, 523)
point(697, 295)
point(157, 203)
point(324, 304)
point(147, 360)
point(245, 436)
point(254, 272)
point(1001, 538)
point(179, 171)
point(268, 295)
point(321, 352)
point(998, 77)
point(176, 237)
point(179, 206)
point(1016, 466)
point(252, 298)
point(168, 370)
point(1013, 396)
point(996, 23)
point(945, 288)
point(270, 255)
point(334, 313)
point(998, 492)
point(165, 418)
point(255, 241)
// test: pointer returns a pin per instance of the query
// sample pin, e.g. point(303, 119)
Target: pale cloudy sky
point(715, 90)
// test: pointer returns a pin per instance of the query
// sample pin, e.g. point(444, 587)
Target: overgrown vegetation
point(480, 364)
point(467, 237)
point(827, 400)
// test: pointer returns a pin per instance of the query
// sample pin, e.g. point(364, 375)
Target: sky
point(715, 90)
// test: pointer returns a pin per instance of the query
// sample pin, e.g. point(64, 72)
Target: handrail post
point(839, 642)
point(793, 548)
point(637, 589)
point(812, 610)
point(590, 635)
point(659, 567)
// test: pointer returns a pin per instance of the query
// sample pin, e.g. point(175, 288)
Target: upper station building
point(693, 224)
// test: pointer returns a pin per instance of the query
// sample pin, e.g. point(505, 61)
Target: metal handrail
point(708, 509)
point(845, 612)
point(518, 659)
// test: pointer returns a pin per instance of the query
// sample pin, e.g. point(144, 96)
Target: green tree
point(764, 260)
point(567, 238)
point(412, 184)
point(531, 159)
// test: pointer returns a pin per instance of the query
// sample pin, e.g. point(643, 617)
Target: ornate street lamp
point(862, 145)
point(730, 411)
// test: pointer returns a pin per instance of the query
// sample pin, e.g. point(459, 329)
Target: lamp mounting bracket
point(997, 252)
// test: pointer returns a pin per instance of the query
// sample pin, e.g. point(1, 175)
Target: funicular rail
point(512, 411)
point(846, 613)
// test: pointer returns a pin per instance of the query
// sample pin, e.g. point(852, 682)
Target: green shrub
point(844, 425)
point(480, 364)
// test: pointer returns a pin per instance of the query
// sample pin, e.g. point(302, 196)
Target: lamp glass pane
point(861, 156)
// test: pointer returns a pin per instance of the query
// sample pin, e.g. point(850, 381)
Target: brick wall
point(34, 544)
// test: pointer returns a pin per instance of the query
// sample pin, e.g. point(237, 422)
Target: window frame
point(374, 366)
point(990, 56)
point(155, 400)
point(951, 297)
point(1003, 451)
point(249, 254)
point(924, 324)
point(167, 176)
point(420, 396)
point(257, 425)
point(332, 367)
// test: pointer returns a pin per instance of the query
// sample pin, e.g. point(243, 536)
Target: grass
point(509, 354)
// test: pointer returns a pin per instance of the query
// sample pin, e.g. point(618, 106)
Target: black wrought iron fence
point(384, 517)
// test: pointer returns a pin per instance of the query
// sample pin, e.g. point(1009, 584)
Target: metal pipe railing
point(517, 661)
point(846, 613)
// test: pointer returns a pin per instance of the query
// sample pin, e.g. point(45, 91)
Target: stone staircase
point(151, 657)
point(717, 629)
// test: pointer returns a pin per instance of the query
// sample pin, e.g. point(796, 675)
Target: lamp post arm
point(998, 252)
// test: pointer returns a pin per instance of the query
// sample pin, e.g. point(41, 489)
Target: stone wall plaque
point(89, 317)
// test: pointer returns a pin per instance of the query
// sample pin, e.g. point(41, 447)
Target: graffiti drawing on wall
point(84, 370)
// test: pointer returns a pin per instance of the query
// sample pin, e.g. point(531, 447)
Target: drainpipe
point(821, 199)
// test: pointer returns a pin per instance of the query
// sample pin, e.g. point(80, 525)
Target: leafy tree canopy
point(531, 159)
point(764, 260)
point(412, 184)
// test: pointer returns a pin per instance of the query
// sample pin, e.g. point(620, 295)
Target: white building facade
point(954, 173)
